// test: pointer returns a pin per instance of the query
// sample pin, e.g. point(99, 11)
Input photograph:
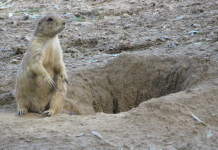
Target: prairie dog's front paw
point(48, 113)
point(48, 80)
point(64, 78)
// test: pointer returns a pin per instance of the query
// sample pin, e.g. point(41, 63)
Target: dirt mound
point(131, 78)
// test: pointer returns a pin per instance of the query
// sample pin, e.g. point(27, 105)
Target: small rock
point(196, 25)
point(127, 26)
point(209, 27)
point(165, 37)
point(27, 38)
point(14, 61)
point(173, 44)
point(132, 2)
point(125, 15)
point(161, 39)
point(35, 16)
point(132, 20)
point(148, 39)
point(19, 58)
point(101, 41)
point(25, 16)
point(18, 37)
point(10, 15)
point(178, 18)
point(68, 15)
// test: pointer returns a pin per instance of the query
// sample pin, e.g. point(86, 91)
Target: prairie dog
point(40, 84)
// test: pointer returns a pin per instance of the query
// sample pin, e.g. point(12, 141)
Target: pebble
point(68, 15)
point(10, 15)
point(148, 39)
point(178, 18)
point(132, 2)
point(172, 44)
point(27, 140)
point(14, 61)
point(165, 37)
point(127, 26)
point(125, 15)
point(196, 25)
point(209, 27)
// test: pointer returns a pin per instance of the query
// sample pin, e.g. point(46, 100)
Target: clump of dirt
point(131, 78)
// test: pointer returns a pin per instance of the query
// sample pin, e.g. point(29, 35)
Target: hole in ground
point(129, 79)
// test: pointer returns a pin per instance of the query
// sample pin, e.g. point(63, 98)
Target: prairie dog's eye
point(50, 19)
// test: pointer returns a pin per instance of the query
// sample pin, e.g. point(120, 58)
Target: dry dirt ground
point(141, 72)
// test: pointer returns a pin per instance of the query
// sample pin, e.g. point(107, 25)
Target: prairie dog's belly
point(48, 61)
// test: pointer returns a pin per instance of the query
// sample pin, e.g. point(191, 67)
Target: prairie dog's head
point(50, 25)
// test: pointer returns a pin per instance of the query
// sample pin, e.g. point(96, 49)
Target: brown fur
point(41, 77)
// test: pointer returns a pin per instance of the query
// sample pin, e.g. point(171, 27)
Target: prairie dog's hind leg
point(57, 99)
point(22, 111)
point(23, 105)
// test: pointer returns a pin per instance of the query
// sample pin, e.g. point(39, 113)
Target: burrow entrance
point(129, 79)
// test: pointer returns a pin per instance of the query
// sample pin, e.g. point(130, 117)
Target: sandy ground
point(138, 70)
